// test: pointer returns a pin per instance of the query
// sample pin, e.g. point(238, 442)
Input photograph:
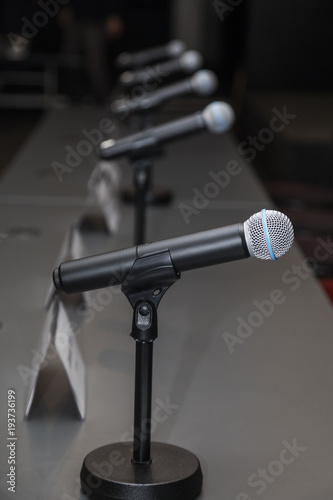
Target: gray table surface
point(235, 411)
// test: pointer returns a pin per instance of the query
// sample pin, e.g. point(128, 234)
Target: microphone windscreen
point(269, 234)
point(124, 59)
point(190, 61)
point(175, 48)
point(204, 82)
point(126, 78)
point(218, 117)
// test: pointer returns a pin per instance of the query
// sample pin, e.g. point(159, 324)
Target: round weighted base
point(156, 196)
point(108, 473)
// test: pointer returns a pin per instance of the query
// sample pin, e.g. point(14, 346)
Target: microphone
point(172, 49)
point(202, 83)
point(188, 63)
point(217, 118)
point(266, 235)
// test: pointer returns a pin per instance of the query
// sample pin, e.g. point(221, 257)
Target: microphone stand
point(153, 195)
point(142, 169)
point(157, 471)
point(144, 195)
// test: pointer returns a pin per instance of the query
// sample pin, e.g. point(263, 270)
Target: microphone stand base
point(155, 196)
point(109, 473)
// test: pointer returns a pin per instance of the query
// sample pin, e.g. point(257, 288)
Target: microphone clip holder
point(157, 471)
point(149, 278)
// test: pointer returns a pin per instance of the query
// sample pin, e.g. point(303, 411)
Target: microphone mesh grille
point(280, 232)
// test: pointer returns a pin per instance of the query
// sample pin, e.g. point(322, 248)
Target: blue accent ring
point(264, 223)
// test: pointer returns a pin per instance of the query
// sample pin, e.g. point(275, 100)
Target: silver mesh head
point(280, 234)
point(190, 61)
point(204, 82)
point(175, 48)
point(126, 77)
point(218, 117)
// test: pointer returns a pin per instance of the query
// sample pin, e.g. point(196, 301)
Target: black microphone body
point(138, 59)
point(151, 138)
point(153, 99)
point(193, 251)
point(187, 63)
point(145, 57)
point(157, 97)
point(150, 74)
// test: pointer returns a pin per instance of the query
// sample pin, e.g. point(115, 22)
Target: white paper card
point(71, 358)
point(103, 184)
point(57, 329)
point(39, 360)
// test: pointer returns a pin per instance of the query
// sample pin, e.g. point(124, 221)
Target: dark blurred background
point(272, 58)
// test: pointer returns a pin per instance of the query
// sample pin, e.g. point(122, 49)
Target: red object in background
point(327, 285)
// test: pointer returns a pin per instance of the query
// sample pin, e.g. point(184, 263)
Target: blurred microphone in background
point(135, 60)
point(187, 63)
point(202, 83)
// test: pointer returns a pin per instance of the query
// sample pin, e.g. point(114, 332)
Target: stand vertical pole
point(142, 184)
point(144, 332)
point(142, 404)
point(142, 178)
